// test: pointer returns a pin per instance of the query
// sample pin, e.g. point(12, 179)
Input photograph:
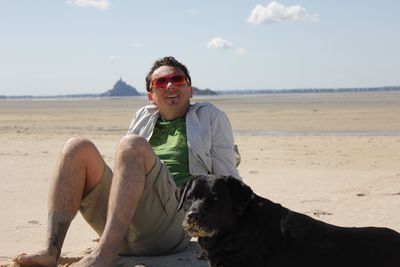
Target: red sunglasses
point(163, 81)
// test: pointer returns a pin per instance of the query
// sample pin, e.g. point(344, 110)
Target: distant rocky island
point(197, 91)
point(121, 88)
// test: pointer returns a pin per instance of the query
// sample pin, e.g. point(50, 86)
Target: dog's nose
point(194, 216)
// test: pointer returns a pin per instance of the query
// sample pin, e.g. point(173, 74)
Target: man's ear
point(181, 192)
point(240, 193)
point(150, 96)
point(191, 91)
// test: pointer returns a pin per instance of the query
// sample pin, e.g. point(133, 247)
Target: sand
point(335, 157)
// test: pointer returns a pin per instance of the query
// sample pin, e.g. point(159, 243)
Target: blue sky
point(50, 47)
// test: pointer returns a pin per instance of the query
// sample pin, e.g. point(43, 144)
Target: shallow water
point(320, 133)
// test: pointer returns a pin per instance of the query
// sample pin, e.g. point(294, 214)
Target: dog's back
point(330, 245)
point(267, 234)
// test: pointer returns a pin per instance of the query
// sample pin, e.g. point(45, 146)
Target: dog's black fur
point(238, 228)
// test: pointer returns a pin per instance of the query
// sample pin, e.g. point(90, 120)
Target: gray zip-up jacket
point(209, 138)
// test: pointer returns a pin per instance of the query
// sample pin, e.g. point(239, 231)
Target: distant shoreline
point(225, 92)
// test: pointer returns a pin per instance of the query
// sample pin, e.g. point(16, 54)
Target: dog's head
point(212, 203)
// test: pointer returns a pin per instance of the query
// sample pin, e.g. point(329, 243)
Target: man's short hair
point(167, 61)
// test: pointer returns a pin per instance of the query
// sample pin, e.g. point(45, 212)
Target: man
point(134, 209)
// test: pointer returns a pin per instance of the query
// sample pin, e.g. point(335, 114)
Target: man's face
point(175, 97)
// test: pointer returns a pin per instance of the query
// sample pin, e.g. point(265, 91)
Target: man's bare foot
point(43, 258)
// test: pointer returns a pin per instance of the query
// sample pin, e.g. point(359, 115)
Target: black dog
point(238, 228)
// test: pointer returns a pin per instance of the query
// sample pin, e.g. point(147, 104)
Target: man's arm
point(222, 145)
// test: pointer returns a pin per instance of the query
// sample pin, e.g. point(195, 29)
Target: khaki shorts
point(156, 227)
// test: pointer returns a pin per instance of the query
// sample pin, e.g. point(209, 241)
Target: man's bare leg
point(134, 159)
point(78, 171)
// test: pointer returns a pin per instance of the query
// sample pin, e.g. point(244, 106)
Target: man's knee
point(136, 148)
point(134, 144)
point(77, 146)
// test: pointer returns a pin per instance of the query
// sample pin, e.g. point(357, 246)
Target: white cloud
point(219, 43)
point(276, 12)
point(100, 4)
point(241, 51)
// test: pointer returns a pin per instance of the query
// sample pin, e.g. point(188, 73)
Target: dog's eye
point(190, 198)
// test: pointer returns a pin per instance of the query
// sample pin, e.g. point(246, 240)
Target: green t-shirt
point(169, 142)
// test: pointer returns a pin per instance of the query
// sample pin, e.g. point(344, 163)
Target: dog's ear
point(180, 192)
point(241, 194)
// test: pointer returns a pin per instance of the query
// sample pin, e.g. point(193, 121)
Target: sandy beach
point(335, 157)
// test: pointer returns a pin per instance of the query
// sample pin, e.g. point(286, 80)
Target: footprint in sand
point(318, 213)
point(29, 224)
point(310, 200)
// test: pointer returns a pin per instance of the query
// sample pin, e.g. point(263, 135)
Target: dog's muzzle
point(192, 224)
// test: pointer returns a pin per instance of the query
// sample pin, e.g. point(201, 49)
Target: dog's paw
point(202, 255)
